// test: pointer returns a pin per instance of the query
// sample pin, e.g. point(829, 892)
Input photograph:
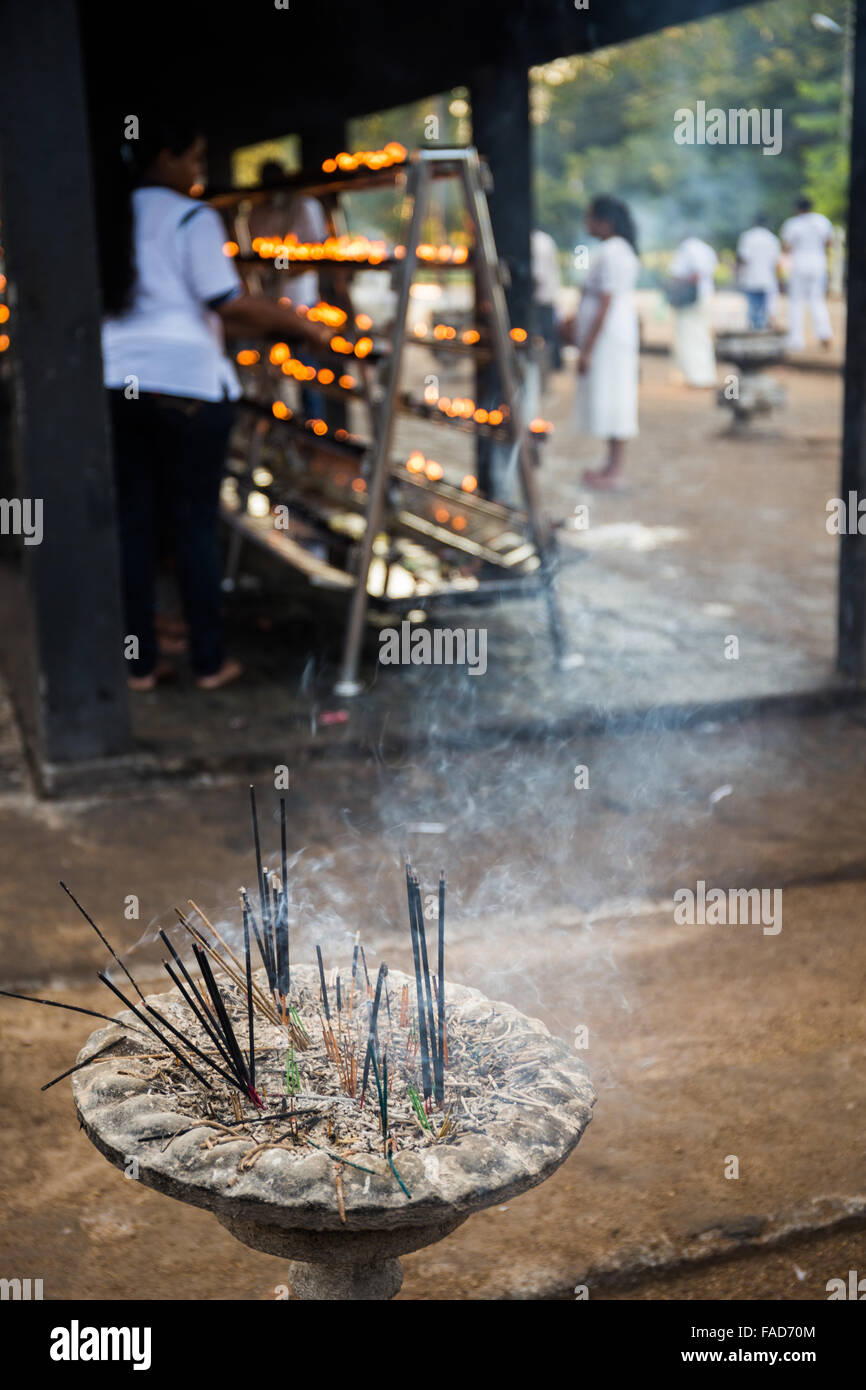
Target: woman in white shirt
point(169, 291)
point(608, 340)
point(694, 263)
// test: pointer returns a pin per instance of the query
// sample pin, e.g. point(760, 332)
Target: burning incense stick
point(188, 1042)
point(225, 1023)
point(107, 944)
point(259, 942)
point(70, 1071)
point(428, 992)
point(419, 988)
point(202, 1017)
point(147, 1023)
point(443, 1055)
point(73, 1008)
point(249, 971)
point(324, 987)
point(371, 1036)
point(284, 862)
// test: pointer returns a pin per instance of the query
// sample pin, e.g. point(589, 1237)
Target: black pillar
point(77, 689)
point(501, 133)
point(852, 549)
point(219, 163)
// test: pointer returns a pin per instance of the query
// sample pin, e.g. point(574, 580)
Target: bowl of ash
point(324, 1117)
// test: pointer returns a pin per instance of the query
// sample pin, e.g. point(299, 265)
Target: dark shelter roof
point(252, 71)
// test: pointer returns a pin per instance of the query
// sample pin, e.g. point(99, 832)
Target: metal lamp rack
point(516, 546)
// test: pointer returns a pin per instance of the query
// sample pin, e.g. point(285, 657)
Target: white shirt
point(759, 250)
point(614, 271)
point(695, 257)
point(808, 235)
point(170, 340)
point(546, 278)
point(303, 216)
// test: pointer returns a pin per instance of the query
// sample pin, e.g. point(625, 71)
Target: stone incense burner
point(285, 1204)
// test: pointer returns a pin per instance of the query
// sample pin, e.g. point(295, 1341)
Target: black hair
point(803, 204)
point(119, 167)
point(271, 172)
point(613, 210)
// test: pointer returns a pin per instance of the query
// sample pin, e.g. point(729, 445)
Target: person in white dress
point(694, 263)
point(608, 340)
point(758, 253)
point(806, 238)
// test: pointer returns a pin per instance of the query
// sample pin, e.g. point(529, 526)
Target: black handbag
point(681, 293)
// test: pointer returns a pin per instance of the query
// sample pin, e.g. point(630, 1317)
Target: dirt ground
point(704, 1042)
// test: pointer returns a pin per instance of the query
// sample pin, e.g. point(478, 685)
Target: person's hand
point(319, 336)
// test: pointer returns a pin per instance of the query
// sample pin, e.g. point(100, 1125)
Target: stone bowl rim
point(298, 1191)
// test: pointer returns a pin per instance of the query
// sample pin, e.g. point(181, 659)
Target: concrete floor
point(716, 537)
point(704, 1042)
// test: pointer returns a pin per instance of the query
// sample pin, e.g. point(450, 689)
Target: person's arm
point(214, 280)
point(246, 315)
point(594, 330)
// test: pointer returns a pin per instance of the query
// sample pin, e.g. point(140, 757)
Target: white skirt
point(694, 353)
point(606, 405)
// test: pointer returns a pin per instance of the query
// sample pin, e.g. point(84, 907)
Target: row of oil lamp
point(356, 250)
point(4, 317)
point(447, 333)
point(456, 408)
point(393, 153)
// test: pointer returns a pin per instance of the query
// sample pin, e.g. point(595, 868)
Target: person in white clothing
point(758, 253)
point(692, 271)
point(608, 340)
point(169, 292)
point(546, 285)
point(286, 214)
point(806, 238)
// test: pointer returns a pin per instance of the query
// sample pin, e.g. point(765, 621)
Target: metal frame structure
point(487, 269)
point(383, 403)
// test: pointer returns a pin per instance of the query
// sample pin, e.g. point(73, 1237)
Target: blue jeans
point(757, 301)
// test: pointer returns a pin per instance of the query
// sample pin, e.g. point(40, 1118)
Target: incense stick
point(147, 1023)
point(73, 1008)
point(248, 964)
point(87, 917)
point(428, 991)
point(322, 979)
point(419, 988)
point(371, 1037)
point(441, 987)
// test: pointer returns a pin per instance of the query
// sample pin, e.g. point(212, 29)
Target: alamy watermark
point(20, 1290)
point(439, 646)
point(846, 518)
point(718, 907)
point(736, 126)
point(22, 516)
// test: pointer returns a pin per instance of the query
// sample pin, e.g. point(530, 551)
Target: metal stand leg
point(348, 685)
point(503, 353)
